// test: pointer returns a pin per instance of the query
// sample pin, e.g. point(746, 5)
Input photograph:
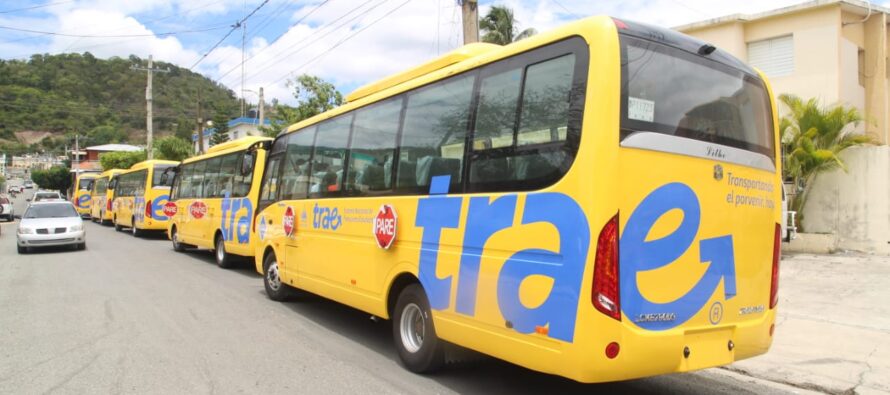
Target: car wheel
point(136, 232)
point(223, 259)
point(420, 350)
point(82, 246)
point(117, 226)
point(275, 288)
point(23, 250)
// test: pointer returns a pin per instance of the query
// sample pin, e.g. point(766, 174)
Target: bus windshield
point(85, 184)
point(670, 91)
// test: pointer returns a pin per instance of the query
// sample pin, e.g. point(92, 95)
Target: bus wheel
point(134, 229)
point(117, 226)
point(275, 288)
point(420, 350)
point(177, 245)
point(223, 259)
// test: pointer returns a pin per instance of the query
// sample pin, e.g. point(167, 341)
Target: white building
point(238, 128)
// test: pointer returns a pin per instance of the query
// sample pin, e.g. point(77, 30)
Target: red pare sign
point(385, 226)
point(287, 222)
point(170, 209)
point(198, 209)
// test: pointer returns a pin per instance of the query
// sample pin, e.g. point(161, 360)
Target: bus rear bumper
point(645, 353)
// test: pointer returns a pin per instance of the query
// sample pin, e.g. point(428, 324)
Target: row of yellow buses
point(600, 202)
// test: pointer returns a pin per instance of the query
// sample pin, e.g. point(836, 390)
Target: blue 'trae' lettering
point(326, 218)
point(485, 217)
point(639, 255)
point(157, 207)
point(235, 219)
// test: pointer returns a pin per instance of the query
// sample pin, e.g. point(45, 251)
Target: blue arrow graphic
point(638, 255)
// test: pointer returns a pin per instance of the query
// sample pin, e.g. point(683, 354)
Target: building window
point(235, 135)
point(774, 56)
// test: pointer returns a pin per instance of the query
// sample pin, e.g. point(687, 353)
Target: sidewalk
point(833, 330)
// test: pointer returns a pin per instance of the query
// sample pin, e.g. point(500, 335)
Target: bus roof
point(150, 163)
point(111, 172)
point(462, 59)
point(243, 142)
point(456, 56)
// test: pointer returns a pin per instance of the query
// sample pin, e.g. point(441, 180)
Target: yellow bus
point(213, 199)
point(82, 197)
point(103, 194)
point(140, 197)
point(598, 202)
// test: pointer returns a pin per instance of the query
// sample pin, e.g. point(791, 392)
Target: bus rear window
point(157, 175)
point(670, 91)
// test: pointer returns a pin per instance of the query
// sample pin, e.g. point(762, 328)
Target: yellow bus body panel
point(129, 211)
point(98, 209)
point(332, 250)
point(232, 218)
point(83, 199)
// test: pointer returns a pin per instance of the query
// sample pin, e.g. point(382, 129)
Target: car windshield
point(4, 201)
point(60, 210)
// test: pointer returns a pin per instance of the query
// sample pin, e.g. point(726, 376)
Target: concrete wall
point(854, 204)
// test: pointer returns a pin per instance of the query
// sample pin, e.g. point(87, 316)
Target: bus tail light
point(777, 255)
point(108, 205)
point(147, 208)
point(605, 295)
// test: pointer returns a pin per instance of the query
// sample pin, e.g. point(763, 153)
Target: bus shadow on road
point(242, 266)
point(473, 372)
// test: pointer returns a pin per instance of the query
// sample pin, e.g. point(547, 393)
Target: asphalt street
point(132, 316)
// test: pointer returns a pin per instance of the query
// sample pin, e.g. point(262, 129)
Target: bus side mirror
point(247, 163)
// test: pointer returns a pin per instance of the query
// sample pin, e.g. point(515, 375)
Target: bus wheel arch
point(398, 284)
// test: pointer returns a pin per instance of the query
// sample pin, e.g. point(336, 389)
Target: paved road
point(132, 316)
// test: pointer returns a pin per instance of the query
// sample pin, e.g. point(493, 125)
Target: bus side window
point(269, 192)
point(329, 156)
point(433, 134)
point(295, 174)
point(228, 167)
point(373, 145)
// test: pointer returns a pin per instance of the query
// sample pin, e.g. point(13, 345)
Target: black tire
point(420, 350)
point(223, 258)
point(82, 246)
point(22, 250)
point(117, 226)
point(177, 246)
point(275, 288)
point(134, 230)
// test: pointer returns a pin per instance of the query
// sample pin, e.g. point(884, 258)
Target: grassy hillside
point(103, 99)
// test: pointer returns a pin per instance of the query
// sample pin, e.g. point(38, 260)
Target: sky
point(346, 42)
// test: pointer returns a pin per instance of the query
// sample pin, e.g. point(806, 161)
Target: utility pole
point(150, 70)
point(470, 15)
point(200, 126)
point(262, 110)
point(76, 154)
point(243, 34)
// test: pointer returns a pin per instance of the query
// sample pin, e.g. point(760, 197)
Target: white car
point(51, 223)
point(45, 195)
point(7, 210)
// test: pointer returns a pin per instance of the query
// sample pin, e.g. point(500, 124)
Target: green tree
point(185, 128)
point(54, 178)
point(812, 138)
point(220, 129)
point(314, 96)
point(500, 27)
point(120, 160)
point(106, 134)
point(172, 148)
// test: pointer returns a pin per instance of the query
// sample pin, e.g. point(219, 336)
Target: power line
point(342, 41)
point(273, 41)
point(111, 36)
point(566, 9)
point(234, 27)
point(315, 39)
point(35, 7)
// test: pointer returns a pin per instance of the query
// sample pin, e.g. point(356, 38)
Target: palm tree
point(813, 138)
point(499, 27)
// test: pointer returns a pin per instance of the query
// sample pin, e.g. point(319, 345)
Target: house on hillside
point(87, 160)
point(836, 51)
point(238, 127)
